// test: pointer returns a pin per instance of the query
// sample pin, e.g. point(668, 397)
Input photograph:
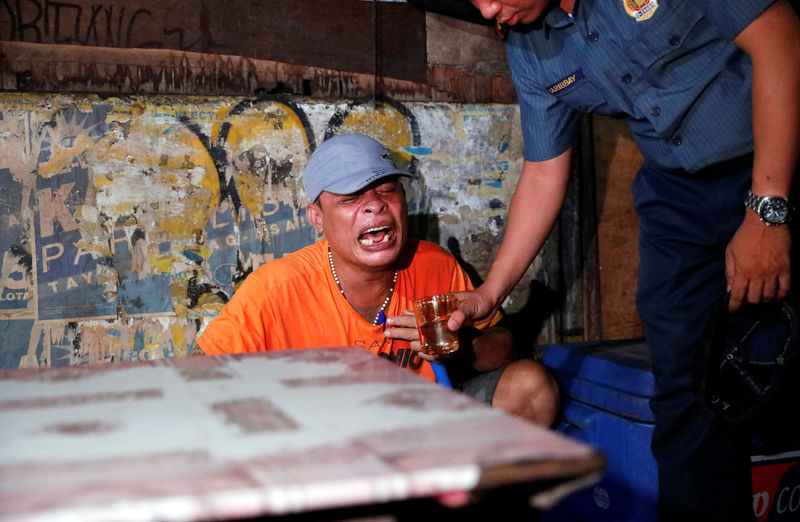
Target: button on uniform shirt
point(669, 68)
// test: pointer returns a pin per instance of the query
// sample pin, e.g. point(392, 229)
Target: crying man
point(356, 287)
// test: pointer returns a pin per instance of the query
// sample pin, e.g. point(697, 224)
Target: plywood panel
point(616, 162)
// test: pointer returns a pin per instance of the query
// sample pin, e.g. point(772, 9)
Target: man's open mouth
point(374, 235)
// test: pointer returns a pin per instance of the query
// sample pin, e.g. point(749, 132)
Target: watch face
point(774, 210)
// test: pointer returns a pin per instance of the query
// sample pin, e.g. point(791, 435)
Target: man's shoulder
point(425, 248)
point(301, 263)
point(428, 251)
point(433, 269)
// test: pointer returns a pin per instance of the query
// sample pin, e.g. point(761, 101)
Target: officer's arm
point(757, 260)
point(773, 43)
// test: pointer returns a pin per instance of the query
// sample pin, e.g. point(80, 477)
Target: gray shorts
point(482, 386)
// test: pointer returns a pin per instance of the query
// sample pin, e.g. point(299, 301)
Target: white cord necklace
point(385, 302)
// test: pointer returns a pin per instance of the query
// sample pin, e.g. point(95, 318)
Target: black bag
point(749, 371)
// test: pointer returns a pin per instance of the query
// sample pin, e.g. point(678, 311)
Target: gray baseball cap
point(347, 163)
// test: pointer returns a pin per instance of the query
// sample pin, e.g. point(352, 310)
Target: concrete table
point(265, 434)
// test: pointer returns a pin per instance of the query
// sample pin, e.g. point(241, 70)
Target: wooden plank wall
point(320, 48)
point(617, 161)
point(387, 39)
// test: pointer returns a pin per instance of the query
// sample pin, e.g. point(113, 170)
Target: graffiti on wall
point(105, 24)
point(126, 224)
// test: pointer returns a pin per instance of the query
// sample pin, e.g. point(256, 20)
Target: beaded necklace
point(386, 301)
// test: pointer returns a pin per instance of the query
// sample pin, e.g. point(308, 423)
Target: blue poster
point(289, 229)
point(15, 256)
point(66, 271)
point(140, 292)
point(220, 237)
point(16, 335)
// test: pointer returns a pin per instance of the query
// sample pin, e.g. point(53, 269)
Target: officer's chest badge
point(640, 10)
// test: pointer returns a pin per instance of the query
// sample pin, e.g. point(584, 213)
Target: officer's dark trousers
point(686, 222)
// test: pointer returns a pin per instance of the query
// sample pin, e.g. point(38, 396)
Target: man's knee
point(527, 389)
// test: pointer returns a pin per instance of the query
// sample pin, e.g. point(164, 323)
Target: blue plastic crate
point(607, 387)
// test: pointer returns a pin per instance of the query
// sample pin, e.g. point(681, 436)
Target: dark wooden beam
point(379, 38)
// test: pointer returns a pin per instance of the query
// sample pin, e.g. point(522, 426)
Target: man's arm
point(757, 258)
point(485, 349)
point(534, 209)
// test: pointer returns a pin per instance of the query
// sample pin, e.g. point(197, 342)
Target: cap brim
point(355, 183)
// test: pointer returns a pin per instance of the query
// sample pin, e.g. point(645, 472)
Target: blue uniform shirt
point(669, 68)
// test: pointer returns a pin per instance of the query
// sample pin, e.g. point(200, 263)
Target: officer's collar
point(552, 18)
point(557, 18)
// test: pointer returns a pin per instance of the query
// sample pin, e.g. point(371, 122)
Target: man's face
point(511, 12)
point(367, 228)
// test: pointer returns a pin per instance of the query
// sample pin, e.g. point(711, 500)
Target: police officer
point(709, 91)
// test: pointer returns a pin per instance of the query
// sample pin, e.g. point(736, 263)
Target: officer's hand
point(757, 262)
point(473, 307)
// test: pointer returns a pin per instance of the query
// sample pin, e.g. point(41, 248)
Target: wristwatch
point(773, 210)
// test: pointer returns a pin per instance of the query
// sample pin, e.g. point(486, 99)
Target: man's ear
point(314, 214)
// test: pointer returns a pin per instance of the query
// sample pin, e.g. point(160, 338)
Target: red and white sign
point(776, 486)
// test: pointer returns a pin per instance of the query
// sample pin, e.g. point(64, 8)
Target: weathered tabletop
point(264, 434)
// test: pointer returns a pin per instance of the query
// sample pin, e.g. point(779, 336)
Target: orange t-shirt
point(294, 302)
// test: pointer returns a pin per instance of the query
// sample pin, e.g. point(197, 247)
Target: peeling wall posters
point(127, 224)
